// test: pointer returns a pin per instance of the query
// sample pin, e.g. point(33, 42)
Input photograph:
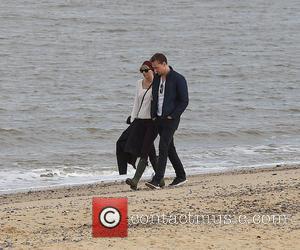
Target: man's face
point(159, 68)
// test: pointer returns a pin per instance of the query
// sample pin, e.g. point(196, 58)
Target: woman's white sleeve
point(135, 104)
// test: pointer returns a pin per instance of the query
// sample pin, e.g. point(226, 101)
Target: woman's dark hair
point(159, 57)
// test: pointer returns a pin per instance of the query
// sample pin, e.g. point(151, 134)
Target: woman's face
point(147, 73)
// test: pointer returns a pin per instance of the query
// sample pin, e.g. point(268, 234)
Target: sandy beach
point(259, 209)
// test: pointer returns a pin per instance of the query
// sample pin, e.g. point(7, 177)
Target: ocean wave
point(194, 134)
point(294, 110)
point(247, 108)
point(116, 30)
point(31, 108)
point(16, 181)
point(64, 172)
point(255, 132)
point(102, 131)
point(102, 97)
point(10, 131)
point(198, 134)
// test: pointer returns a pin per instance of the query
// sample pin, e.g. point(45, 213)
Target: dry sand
point(62, 218)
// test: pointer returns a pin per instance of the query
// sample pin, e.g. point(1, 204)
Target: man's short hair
point(161, 58)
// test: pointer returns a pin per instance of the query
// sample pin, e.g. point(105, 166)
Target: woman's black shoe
point(132, 185)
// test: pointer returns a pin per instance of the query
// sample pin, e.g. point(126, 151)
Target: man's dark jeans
point(166, 130)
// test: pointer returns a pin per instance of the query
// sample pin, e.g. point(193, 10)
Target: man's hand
point(169, 117)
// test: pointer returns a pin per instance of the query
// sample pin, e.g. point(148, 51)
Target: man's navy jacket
point(176, 96)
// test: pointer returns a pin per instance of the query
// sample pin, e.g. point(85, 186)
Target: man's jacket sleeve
point(182, 97)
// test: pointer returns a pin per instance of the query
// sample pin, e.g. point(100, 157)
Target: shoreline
point(121, 178)
point(62, 218)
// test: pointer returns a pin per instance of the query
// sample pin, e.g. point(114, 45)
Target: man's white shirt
point(161, 96)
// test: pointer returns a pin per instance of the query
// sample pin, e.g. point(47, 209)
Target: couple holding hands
point(161, 97)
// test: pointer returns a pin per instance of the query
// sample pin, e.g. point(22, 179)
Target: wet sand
point(249, 209)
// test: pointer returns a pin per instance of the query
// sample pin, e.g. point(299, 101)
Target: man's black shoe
point(152, 185)
point(177, 182)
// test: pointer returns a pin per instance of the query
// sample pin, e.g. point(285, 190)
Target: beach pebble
point(8, 243)
point(76, 239)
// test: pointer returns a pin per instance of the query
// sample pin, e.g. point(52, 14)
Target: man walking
point(170, 99)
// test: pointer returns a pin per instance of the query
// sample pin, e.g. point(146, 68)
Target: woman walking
point(144, 130)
